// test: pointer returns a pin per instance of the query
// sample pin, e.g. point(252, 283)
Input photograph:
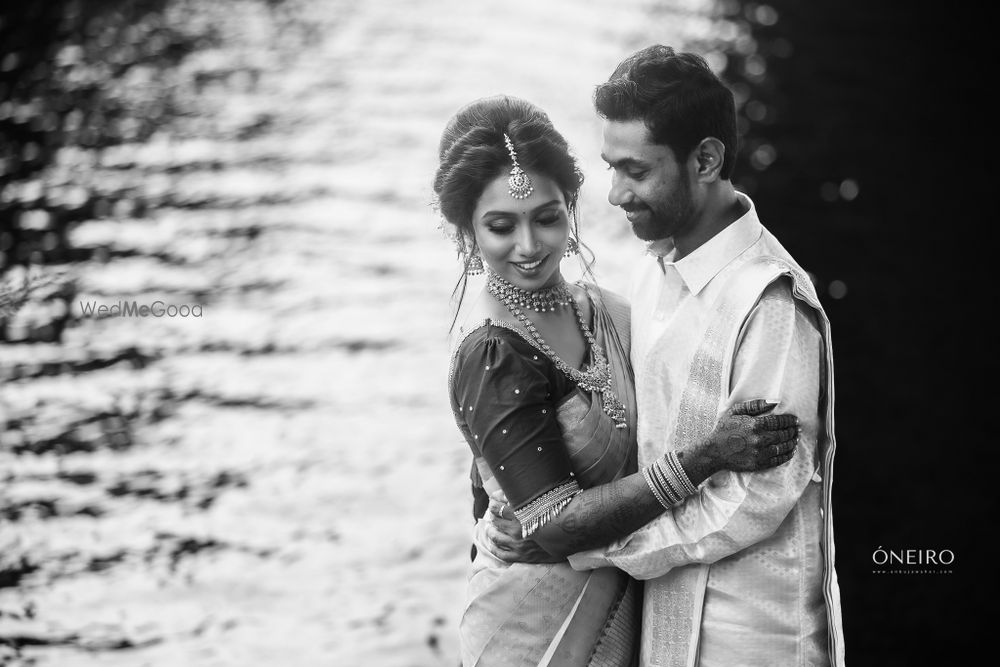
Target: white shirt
point(763, 601)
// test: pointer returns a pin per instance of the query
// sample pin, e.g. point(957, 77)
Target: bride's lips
point(532, 268)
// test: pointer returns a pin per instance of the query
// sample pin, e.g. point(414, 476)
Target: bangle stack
point(668, 481)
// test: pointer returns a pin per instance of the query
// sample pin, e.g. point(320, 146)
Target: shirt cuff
point(593, 558)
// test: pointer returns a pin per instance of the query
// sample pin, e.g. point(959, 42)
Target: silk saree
point(539, 437)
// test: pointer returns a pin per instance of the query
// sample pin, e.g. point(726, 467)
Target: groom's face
point(647, 181)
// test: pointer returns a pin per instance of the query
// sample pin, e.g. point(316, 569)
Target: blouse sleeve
point(505, 397)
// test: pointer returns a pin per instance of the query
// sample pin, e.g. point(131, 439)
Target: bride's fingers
point(752, 408)
point(497, 507)
point(769, 438)
point(775, 422)
point(782, 459)
point(502, 516)
point(500, 542)
point(502, 510)
point(509, 527)
point(491, 544)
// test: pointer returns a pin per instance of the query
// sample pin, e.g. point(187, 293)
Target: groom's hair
point(678, 97)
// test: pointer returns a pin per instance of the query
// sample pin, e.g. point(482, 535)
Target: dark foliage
point(868, 154)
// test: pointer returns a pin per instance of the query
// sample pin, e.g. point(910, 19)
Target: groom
point(743, 572)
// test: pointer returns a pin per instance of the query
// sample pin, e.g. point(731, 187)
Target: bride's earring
point(572, 247)
point(474, 267)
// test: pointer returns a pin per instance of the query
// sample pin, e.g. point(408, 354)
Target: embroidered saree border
point(523, 615)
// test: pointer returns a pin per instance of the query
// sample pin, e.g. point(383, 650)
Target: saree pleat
point(521, 614)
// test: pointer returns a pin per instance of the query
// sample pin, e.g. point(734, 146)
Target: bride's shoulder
point(481, 310)
point(591, 291)
point(482, 319)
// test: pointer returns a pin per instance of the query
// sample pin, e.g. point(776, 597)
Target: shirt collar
point(699, 267)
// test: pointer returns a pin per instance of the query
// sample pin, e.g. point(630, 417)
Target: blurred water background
point(271, 474)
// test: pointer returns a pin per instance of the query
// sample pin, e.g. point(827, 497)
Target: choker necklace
point(541, 301)
point(597, 377)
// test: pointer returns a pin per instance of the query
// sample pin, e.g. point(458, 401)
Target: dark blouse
point(504, 393)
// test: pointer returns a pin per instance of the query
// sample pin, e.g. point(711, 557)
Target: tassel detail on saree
point(545, 507)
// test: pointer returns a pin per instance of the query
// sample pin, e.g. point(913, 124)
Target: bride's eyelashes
point(504, 229)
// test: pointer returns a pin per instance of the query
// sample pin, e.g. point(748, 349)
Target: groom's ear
point(709, 155)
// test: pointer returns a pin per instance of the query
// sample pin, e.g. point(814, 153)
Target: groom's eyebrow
point(624, 162)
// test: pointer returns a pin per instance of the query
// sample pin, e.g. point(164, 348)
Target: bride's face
point(523, 240)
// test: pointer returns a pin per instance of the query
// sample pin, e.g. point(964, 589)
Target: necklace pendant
point(597, 377)
point(613, 407)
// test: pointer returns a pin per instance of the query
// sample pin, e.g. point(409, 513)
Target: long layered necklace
point(597, 377)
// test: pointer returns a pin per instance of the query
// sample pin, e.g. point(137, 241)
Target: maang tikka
point(519, 184)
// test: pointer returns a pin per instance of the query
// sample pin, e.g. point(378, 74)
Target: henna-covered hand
point(746, 439)
point(501, 532)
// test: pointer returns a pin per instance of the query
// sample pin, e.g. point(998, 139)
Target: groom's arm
point(780, 356)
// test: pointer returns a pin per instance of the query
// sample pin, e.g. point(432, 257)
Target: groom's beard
point(662, 219)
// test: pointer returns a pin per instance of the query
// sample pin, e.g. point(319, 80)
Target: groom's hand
point(502, 535)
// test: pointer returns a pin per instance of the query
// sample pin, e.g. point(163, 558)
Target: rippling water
point(279, 481)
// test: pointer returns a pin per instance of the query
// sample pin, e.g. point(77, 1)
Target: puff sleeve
point(505, 394)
